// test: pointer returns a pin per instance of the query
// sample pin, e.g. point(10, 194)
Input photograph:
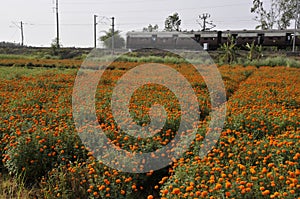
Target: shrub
point(66, 181)
point(35, 154)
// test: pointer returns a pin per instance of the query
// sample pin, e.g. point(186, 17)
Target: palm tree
point(173, 22)
point(119, 42)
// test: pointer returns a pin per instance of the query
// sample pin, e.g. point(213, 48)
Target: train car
point(137, 40)
point(281, 39)
point(161, 40)
point(211, 40)
point(187, 42)
point(207, 39)
point(241, 38)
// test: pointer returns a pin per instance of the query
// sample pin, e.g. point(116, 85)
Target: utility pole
point(113, 34)
point(57, 26)
point(22, 34)
point(296, 23)
point(21, 27)
point(95, 31)
point(204, 17)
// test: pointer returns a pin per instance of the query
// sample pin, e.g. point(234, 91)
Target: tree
point(263, 17)
point(9, 44)
point(290, 12)
point(173, 22)
point(280, 14)
point(150, 28)
point(119, 42)
point(55, 46)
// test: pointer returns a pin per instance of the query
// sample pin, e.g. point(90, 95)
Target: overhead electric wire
point(156, 10)
point(110, 1)
point(52, 24)
point(13, 35)
point(65, 10)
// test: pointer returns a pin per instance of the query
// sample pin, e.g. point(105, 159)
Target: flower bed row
point(257, 155)
point(39, 140)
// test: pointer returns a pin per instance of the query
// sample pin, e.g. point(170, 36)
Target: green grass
point(142, 59)
point(271, 61)
point(202, 58)
point(11, 56)
point(14, 187)
point(18, 72)
point(196, 58)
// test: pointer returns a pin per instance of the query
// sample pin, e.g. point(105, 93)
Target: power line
point(156, 10)
point(102, 20)
point(71, 24)
point(13, 35)
point(110, 1)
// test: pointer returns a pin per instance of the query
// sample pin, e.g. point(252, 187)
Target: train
point(211, 40)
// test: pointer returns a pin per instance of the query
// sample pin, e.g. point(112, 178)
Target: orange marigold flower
point(266, 192)
point(218, 186)
point(227, 185)
point(165, 191)
point(204, 194)
point(189, 188)
point(176, 191)
point(264, 170)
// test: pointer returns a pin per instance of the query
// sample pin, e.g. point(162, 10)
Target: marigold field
point(256, 156)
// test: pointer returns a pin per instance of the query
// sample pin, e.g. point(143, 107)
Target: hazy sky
point(76, 17)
